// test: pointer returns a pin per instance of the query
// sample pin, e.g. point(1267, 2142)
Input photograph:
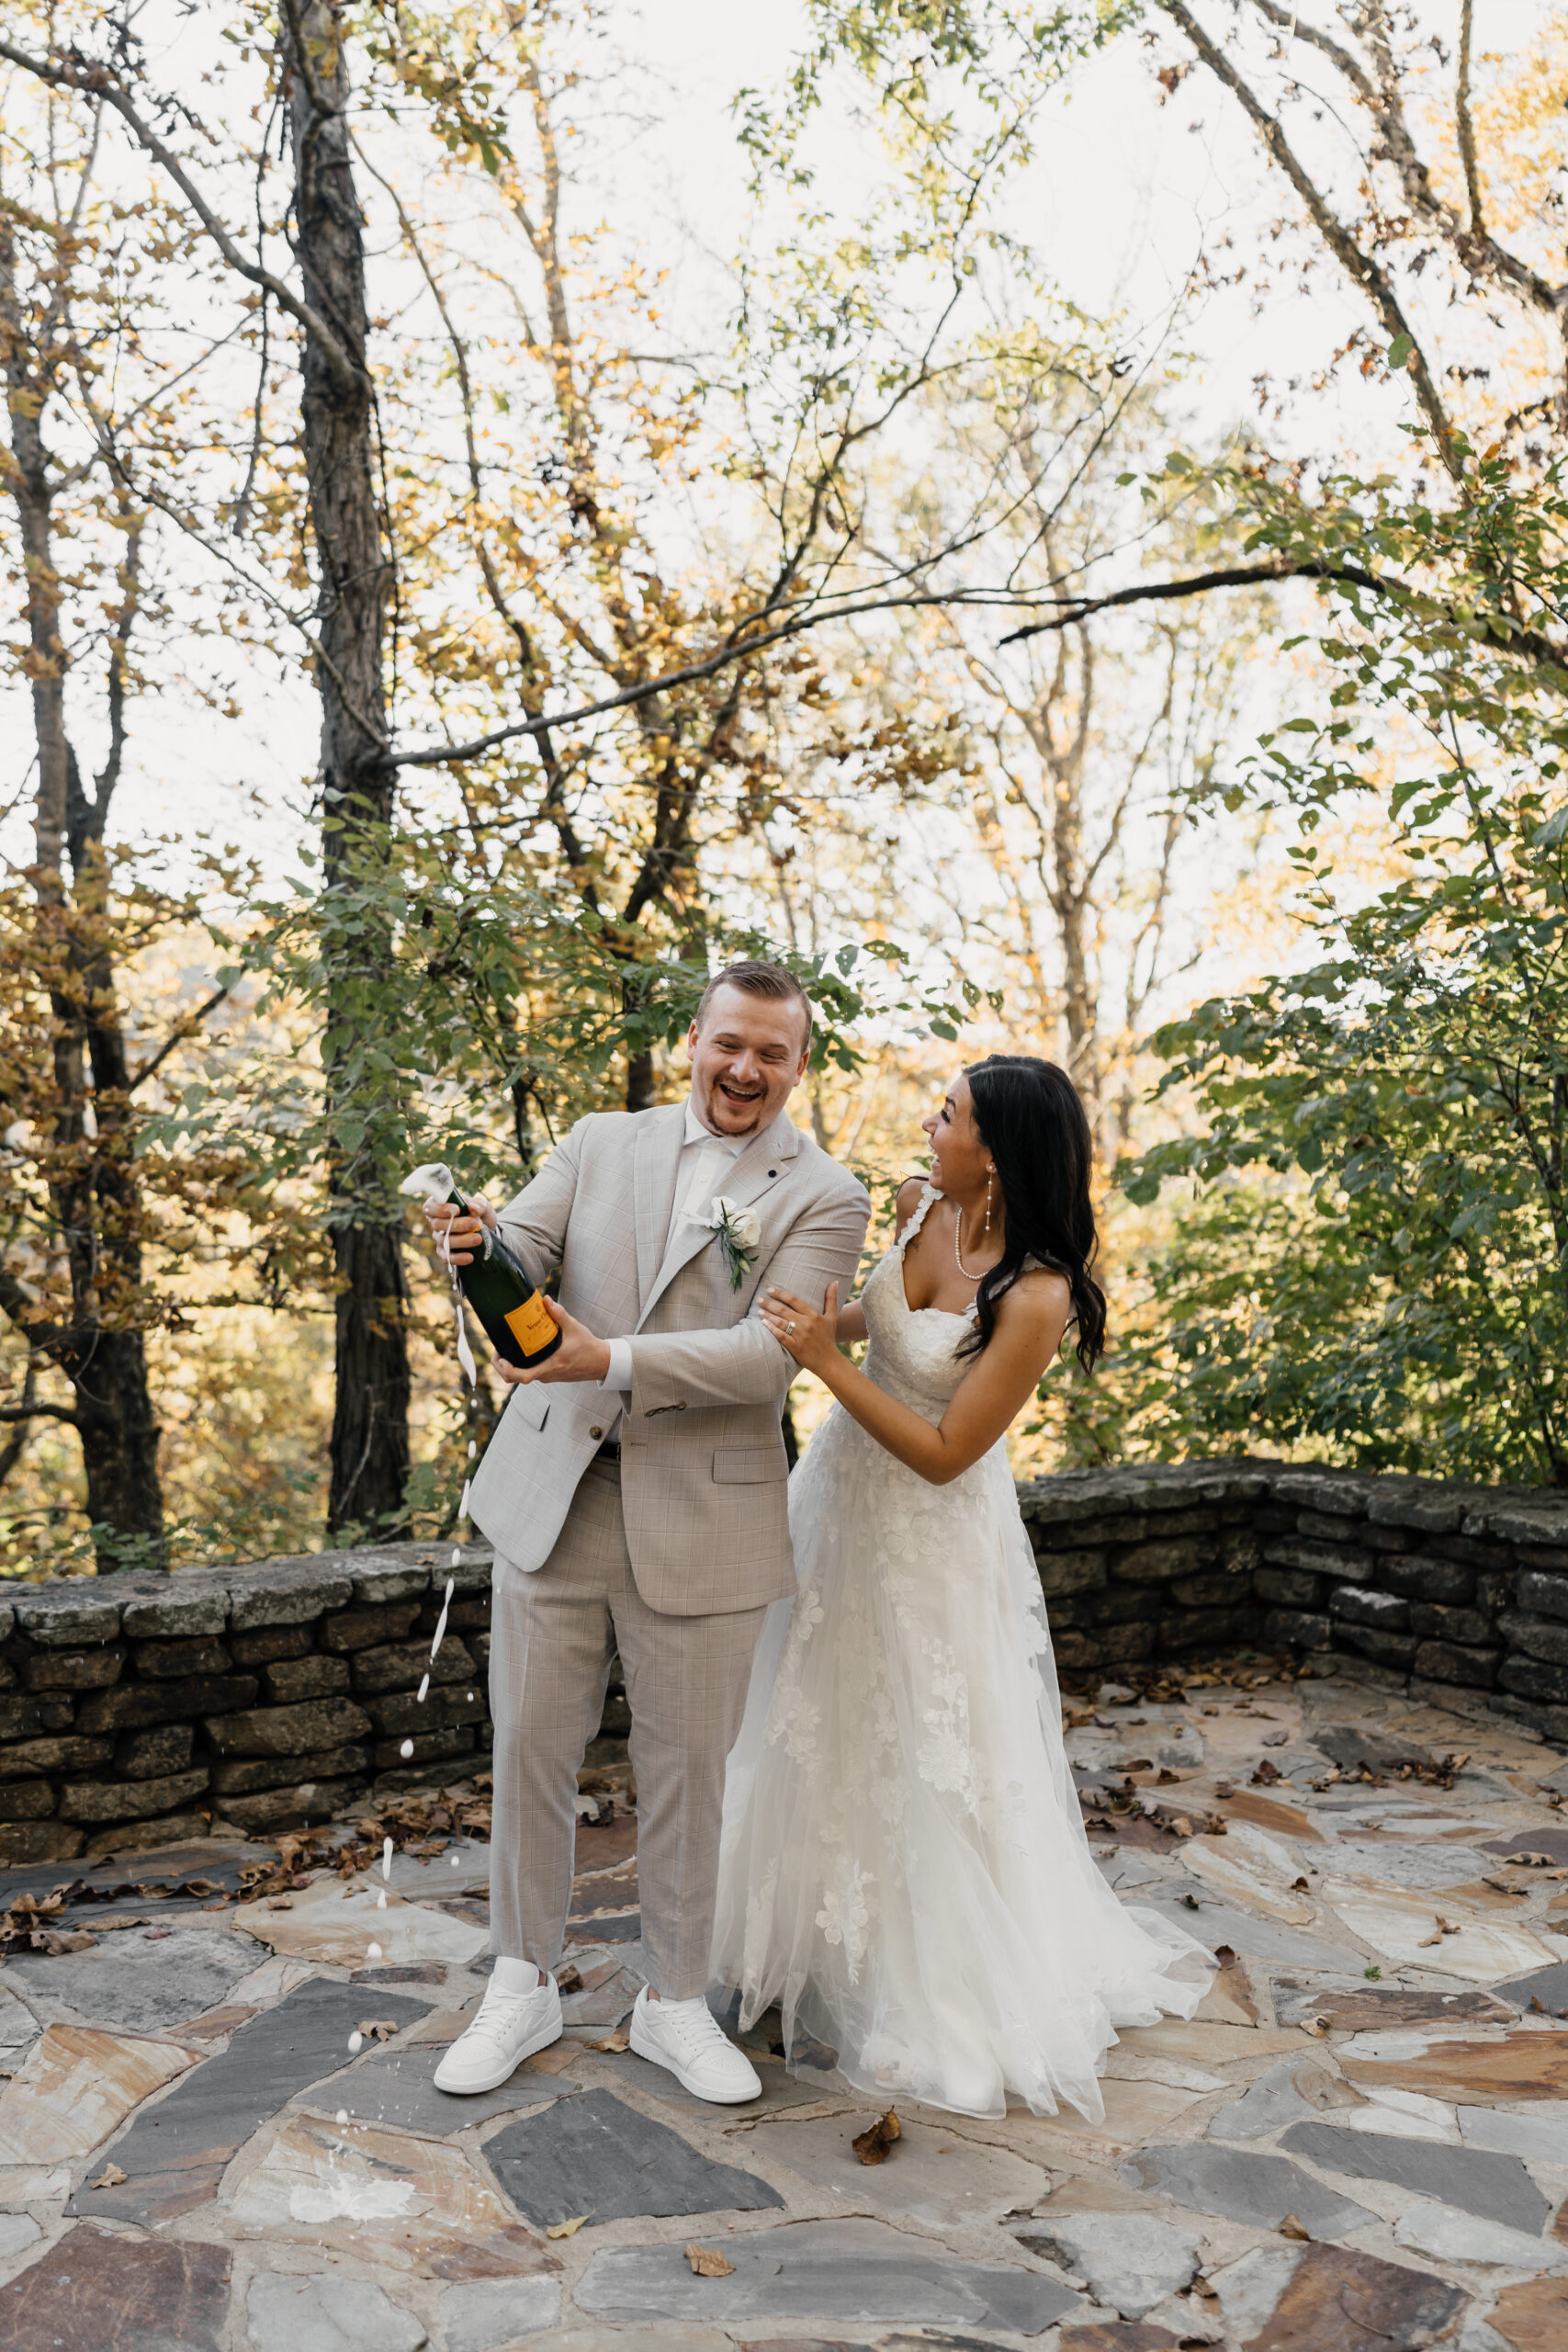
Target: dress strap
point(928, 1194)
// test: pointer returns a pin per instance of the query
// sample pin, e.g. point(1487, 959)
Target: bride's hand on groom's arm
point(808, 1333)
point(581, 1356)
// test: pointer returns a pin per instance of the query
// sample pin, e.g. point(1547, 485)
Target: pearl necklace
point(957, 1230)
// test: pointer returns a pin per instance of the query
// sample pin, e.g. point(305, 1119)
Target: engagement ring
point(789, 1326)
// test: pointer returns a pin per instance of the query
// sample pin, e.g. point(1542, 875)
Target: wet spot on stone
point(1476, 2180)
point(594, 2154)
point(175, 2154)
point(395, 2087)
point(417, 2206)
point(94, 2287)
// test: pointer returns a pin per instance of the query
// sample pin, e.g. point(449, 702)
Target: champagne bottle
point(511, 1307)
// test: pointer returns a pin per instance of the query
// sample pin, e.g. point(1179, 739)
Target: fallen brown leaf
point(566, 2229)
point(707, 2262)
point(280, 1903)
point(1291, 2228)
point(873, 2143)
point(1316, 2026)
point(119, 1920)
point(110, 2177)
point(1529, 1862)
point(613, 2041)
point(377, 2028)
point(569, 1979)
point(57, 1941)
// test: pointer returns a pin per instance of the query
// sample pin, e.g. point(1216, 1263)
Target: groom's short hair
point(758, 979)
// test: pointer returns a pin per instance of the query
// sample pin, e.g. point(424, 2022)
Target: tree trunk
point(369, 1443)
point(94, 1199)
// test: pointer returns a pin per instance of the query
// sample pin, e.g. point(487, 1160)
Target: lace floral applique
point(844, 1919)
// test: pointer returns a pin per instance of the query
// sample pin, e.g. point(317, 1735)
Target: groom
point(635, 1494)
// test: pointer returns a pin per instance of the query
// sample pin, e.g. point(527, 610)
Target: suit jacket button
point(595, 1432)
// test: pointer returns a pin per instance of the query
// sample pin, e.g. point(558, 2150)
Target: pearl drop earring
point(989, 1173)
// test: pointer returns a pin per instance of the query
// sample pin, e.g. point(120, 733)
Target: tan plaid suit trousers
point(673, 1555)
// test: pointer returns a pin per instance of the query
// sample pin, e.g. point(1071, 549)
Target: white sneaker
point(509, 2028)
point(682, 2036)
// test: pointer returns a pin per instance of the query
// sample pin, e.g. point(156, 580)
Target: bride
point(904, 1867)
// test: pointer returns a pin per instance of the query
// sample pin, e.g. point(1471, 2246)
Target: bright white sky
point(1124, 194)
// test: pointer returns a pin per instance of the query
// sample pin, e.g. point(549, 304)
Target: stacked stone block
point(1139, 1566)
point(138, 1710)
point(1454, 1593)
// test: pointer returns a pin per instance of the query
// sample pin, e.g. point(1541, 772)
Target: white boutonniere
point(737, 1231)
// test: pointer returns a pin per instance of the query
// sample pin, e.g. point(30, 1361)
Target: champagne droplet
point(382, 1900)
point(456, 1561)
point(355, 2044)
point(373, 1951)
point(386, 1858)
point(424, 1687)
point(407, 1747)
point(455, 1862)
point(473, 1449)
point(463, 1506)
point(343, 2115)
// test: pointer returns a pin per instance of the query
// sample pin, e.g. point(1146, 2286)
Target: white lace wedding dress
point(903, 1866)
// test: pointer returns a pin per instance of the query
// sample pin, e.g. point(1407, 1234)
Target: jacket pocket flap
point(531, 1405)
point(749, 1465)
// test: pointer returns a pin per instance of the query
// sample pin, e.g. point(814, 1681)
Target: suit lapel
point(752, 1176)
point(656, 1162)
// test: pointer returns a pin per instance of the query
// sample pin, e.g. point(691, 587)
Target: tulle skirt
point(904, 1867)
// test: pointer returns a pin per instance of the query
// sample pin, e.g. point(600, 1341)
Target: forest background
point(1050, 520)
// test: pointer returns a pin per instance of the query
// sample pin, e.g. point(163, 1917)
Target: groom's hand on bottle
point(460, 1233)
point(579, 1356)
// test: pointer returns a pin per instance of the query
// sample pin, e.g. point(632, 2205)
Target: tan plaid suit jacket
point(702, 1467)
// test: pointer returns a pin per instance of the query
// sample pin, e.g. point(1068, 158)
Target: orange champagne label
point(530, 1324)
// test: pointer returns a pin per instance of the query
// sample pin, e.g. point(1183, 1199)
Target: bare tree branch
point(97, 81)
point(1464, 124)
point(177, 1036)
point(1372, 280)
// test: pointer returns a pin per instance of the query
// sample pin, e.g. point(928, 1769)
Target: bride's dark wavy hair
point(1032, 1123)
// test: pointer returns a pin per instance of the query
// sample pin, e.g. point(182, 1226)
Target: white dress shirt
point(705, 1158)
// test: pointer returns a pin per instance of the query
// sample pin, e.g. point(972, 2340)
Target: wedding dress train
point(903, 1866)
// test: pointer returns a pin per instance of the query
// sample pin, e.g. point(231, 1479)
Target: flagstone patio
point(219, 2133)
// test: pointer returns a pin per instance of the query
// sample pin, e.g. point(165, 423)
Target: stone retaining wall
point(139, 1710)
point(136, 1710)
point(1456, 1594)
